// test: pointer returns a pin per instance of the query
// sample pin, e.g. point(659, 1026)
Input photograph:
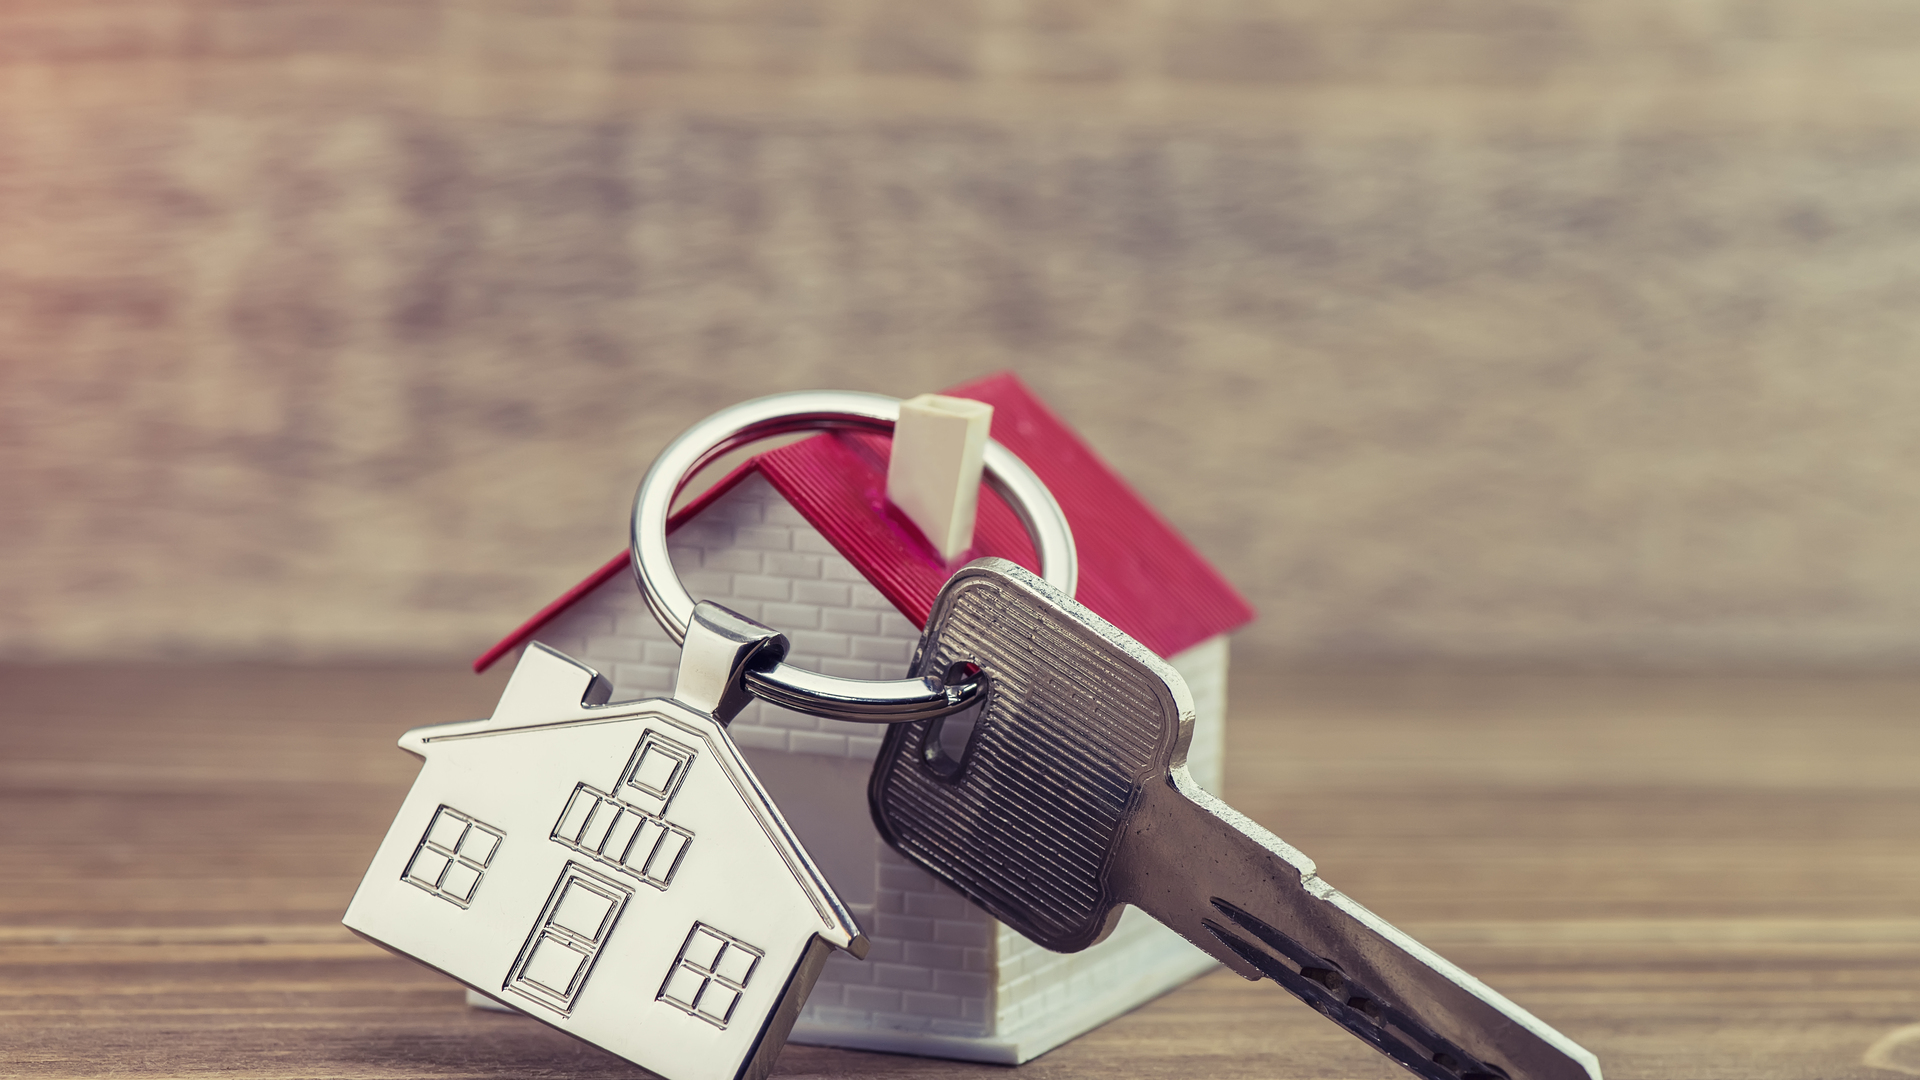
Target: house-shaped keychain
point(804, 539)
point(531, 837)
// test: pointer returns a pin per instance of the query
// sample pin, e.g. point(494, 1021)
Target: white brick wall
point(942, 978)
point(931, 967)
point(754, 553)
point(1204, 667)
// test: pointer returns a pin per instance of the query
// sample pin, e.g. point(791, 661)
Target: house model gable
point(802, 539)
point(614, 870)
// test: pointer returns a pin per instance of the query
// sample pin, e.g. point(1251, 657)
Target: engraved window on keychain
point(628, 837)
point(453, 856)
point(711, 971)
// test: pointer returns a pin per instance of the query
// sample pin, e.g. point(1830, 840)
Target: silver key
point(613, 870)
point(1071, 798)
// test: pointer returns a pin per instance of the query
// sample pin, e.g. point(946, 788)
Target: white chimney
point(934, 474)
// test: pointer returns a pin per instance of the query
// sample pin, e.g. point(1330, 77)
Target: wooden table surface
point(1693, 878)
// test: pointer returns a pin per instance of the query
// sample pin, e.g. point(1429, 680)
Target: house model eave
point(802, 539)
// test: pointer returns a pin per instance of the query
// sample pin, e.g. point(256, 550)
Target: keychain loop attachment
point(859, 700)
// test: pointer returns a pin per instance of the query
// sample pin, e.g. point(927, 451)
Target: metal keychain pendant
point(616, 870)
point(613, 870)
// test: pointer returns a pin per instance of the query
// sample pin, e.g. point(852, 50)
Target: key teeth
point(1320, 972)
point(1272, 938)
point(1260, 961)
point(1321, 985)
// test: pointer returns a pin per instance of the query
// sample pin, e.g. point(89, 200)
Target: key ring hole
point(886, 701)
point(950, 739)
point(724, 460)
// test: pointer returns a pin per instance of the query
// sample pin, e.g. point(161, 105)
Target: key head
point(1078, 718)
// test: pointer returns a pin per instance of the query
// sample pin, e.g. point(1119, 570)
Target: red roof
point(1135, 570)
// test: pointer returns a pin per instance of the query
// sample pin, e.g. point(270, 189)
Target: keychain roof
point(1135, 570)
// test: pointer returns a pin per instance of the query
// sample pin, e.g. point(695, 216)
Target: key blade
point(1406, 1038)
point(1258, 905)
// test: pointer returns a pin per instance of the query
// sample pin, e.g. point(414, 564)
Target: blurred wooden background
point(1510, 332)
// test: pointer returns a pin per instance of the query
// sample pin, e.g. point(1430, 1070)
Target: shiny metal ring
point(859, 700)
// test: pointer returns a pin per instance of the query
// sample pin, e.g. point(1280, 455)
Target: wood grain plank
point(1695, 878)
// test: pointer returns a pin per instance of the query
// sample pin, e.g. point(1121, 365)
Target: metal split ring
point(859, 700)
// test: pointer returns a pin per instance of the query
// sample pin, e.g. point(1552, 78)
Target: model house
point(609, 869)
point(803, 539)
